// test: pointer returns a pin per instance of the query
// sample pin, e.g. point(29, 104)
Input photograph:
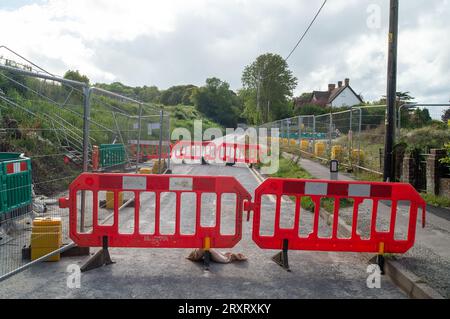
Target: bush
point(426, 138)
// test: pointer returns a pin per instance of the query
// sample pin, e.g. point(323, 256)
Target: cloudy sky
point(164, 43)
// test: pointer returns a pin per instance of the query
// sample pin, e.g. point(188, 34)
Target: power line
point(292, 51)
point(306, 31)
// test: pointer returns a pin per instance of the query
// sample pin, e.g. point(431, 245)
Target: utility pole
point(388, 173)
point(258, 88)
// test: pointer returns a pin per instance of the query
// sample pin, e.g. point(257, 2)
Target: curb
point(408, 282)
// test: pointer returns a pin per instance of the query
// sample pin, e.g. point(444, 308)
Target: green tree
point(446, 115)
point(311, 109)
point(401, 98)
point(218, 102)
point(179, 94)
point(268, 87)
point(419, 118)
point(76, 76)
point(149, 94)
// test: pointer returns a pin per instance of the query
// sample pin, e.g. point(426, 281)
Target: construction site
point(103, 196)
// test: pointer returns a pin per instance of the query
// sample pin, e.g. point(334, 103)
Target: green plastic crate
point(15, 182)
point(111, 155)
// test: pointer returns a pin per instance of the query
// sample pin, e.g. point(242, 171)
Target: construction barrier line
point(349, 199)
point(210, 151)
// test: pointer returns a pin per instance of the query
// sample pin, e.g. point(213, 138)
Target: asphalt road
point(166, 273)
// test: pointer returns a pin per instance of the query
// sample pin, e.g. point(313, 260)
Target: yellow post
point(207, 244)
point(381, 249)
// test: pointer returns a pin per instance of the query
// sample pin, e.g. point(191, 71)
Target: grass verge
point(438, 201)
point(290, 169)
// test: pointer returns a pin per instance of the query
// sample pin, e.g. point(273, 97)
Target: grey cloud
point(232, 34)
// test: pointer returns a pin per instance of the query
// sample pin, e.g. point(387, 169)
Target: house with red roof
point(336, 96)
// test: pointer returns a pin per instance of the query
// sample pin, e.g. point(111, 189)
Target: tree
point(268, 87)
point(218, 102)
point(401, 98)
point(76, 76)
point(179, 94)
point(420, 118)
point(446, 115)
point(149, 94)
point(311, 109)
point(408, 117)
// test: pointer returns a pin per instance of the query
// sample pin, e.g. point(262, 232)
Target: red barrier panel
point(239, 153)
point(355, 193)
point(194, 151)
point(149, 151)
point(211, 151)
point(202, 237)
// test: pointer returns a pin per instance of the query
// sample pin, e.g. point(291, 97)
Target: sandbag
point(216, 256)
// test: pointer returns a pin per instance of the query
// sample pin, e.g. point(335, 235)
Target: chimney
point(331, 87)
point(339, 84)
point(347, 82)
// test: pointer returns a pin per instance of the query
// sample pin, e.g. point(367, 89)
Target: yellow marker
point(381, 249)
point(207, 243)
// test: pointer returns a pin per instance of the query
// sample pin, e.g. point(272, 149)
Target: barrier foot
point(207, 259)
point(380, 262)
point(101, 258)
point(282, 257)
point(203, 161)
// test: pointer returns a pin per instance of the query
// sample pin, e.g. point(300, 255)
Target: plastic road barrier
point(359, 198)
point(209, 151)
point(150, 151)
point(206, 237)
point(15, 184)
point(373, 241)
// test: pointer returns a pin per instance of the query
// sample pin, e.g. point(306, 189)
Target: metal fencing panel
point(45, 117)
point(355, 137)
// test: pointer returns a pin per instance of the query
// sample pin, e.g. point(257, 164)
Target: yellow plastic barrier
point(145, 170)
point(110, 200)
point(304, 145)
point(46, 236)
point(337, 152)
point(155, 168)
point(292, 142)
point(319, 149)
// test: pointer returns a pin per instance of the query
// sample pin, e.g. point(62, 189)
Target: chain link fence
point(44, 118)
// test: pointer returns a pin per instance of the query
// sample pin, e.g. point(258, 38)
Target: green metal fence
point(112, 155)
point(15, 183)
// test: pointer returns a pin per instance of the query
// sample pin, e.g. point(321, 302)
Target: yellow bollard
point(319, 149)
